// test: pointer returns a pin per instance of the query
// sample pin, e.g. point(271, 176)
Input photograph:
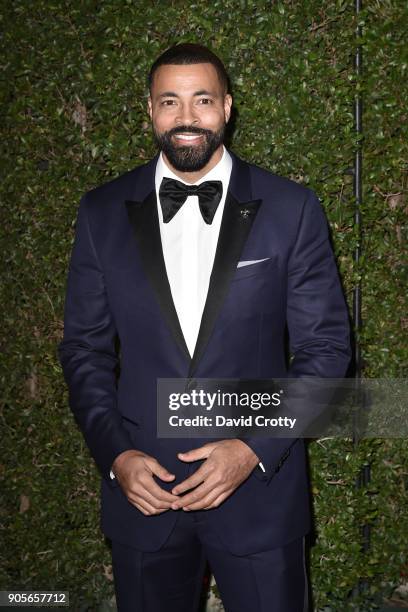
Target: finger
point(192, 481)
point(142, 505)
point(212, 500)
point(206, 501)
point(141, 495)
point(217, 501)
point(152, 492)
point(152, 501)
point(149, 510)
point(165, 497)
point(197, 453)
point(159, 470)
point(195, 496)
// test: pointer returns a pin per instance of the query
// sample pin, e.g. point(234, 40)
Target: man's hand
point(134, 471)
point(228, 463)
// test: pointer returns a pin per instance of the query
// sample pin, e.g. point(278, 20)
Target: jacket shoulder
point(282, 186)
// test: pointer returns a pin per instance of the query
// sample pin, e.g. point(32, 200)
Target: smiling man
point(197, 263)
point(189, 107)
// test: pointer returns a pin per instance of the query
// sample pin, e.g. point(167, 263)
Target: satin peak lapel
point(145, 222)
point(236, 223)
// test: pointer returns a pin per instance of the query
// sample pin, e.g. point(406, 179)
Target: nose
point(187, 115)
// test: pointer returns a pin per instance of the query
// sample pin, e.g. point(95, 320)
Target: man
point(198, 283)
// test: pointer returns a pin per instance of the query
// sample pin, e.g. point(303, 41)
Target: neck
point(193, 177)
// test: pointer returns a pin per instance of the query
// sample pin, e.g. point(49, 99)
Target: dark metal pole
point(358, 162)
point(365, 474)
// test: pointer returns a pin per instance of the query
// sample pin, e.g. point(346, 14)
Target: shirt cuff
point(260, 465)
point(112, 475)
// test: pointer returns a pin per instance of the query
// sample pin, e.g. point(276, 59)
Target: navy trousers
point(170, 580)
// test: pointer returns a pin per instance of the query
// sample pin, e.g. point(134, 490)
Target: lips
point(188, 138)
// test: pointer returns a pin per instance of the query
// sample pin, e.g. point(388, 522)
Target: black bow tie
point(174, 193)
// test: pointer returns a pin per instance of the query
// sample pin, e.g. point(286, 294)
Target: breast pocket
point(253, 269)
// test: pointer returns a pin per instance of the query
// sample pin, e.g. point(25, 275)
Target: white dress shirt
point(189, 246)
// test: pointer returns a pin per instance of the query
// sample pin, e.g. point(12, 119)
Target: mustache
point(188, 129)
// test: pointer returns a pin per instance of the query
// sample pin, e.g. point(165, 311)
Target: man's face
point(189, 112)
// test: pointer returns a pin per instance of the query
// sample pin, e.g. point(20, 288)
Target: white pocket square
point(250, 262)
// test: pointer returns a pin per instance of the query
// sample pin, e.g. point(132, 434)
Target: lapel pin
point(245, 212)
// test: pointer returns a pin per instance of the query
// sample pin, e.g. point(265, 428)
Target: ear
point(149, 107)
point(227, 107)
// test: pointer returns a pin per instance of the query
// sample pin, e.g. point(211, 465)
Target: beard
point(185, 158)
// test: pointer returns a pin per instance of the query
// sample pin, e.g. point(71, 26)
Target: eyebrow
point(200, 92)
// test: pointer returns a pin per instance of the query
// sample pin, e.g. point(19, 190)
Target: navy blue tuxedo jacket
point(122, 333)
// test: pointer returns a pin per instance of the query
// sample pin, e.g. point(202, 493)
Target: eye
point(167, 102)
point(205, 101)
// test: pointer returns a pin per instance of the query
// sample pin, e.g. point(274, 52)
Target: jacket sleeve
point(87, 352)
point(317, 320)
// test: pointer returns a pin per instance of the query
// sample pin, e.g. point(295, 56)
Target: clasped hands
point(227, 464)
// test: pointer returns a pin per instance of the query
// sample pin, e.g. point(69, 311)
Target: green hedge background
point(74, 116)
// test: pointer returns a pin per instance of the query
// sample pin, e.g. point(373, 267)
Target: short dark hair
point(190, 53)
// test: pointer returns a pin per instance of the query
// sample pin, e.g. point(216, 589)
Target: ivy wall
point(74, 116)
